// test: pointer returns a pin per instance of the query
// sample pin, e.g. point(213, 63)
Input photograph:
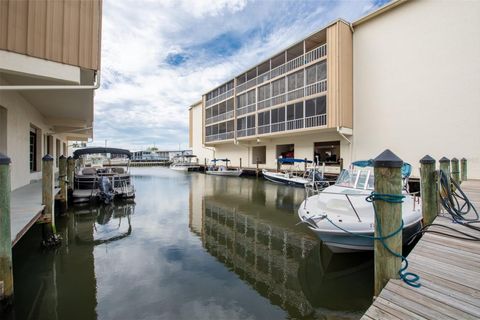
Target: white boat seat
point(89, 171)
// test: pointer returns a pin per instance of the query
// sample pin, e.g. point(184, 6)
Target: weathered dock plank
point(449, 270)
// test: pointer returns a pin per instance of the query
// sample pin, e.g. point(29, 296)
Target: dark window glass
point(290, 112)
point(321, 71)
point(251, 121)
point(281, 114)
point(274, 115)
point(310, 108)
point(222, 108)
point(215, 129)
point(230, 105)
point(222, 127)
point(230, 126)
point(298, 110)
point(321, 105)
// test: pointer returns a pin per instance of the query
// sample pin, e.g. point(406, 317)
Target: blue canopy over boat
point(406, 167)
point(224, 160)
point(292, 160)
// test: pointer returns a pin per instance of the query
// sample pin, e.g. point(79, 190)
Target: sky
point(160, 57)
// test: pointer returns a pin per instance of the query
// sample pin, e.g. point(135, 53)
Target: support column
point(62, 178)
point(388, 180)
point(70, 172)
point(48, 190)
point(445, 167)
point(464, 169)
point(428, 189)
point(6, 272)
point(455, 170)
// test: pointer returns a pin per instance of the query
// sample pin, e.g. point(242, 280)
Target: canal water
point(191, 246)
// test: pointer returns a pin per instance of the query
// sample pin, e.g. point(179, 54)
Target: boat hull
point(276, 178)
point(228, 173)
point(344, 242)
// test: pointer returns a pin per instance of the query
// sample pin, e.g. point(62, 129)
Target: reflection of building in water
point(264, 255)
point(250, 226)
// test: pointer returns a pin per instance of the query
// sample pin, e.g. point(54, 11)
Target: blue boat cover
point(406, 167)
point(292, 160)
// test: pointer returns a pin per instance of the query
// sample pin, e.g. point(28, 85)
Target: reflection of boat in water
point(337, 281)
point(285, 265)
point(342, 217)
point(107, 222)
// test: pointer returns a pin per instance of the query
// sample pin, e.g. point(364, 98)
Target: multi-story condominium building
point(49, 64)
point(388, 80)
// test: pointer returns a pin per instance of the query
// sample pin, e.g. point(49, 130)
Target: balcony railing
point(307, 122)
point(220, 117)
point(306, 58)
point(219, 136)
point(246, 109)
point(245, 132)
point(220, 98)
point(309, 90)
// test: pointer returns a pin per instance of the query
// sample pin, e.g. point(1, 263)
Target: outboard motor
point(106, 190)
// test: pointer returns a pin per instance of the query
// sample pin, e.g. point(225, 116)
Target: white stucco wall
point(417, 83)
point(197, 146)
point(20, 116)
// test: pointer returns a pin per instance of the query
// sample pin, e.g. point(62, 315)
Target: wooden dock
point(449, 271)
point(26, 209)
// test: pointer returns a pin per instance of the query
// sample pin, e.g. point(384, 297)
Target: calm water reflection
point(191, 246)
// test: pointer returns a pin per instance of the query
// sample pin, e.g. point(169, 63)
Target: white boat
point(187, 162)
point(342, 218)
point(290, 176)
point(223, 170)
point(94, 181)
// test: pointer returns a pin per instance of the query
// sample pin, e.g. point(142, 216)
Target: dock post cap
point(62, 157)
point(444, 159)
point(454, 160)
point(427, 160)
point(69, 158)
point(464, 159)
point(47, 157)
point(387, 159)
point(4, 159)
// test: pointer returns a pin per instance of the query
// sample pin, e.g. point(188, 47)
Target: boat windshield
point(356, 179)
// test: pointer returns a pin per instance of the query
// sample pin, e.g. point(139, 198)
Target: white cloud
point(144, 99)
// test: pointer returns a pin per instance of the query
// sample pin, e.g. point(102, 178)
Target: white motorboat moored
point(344, 220)
point(290, 175)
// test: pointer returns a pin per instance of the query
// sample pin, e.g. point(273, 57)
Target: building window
point(285, 151)
point(328, 152)
point(278, 87)
point(35, 145)
point(317, 106)
point(259, 155)
point(295, 81)
point(317, 72)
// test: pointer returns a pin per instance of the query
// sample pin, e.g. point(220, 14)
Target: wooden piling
point(464, 169)
point(70, 172)
point(205, 165)
point(341, 164)
point(240, 163)
point(305, 166)
point(445, 167)
point(47, 191)
point(62, 178)
point(256, 171)
point(428, 189)
point(388, 180)
point(455, 170)
point(6, 271)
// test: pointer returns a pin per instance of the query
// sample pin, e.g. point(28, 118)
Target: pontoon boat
point(93, 180)
point(223, 170)
point(187, 162)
